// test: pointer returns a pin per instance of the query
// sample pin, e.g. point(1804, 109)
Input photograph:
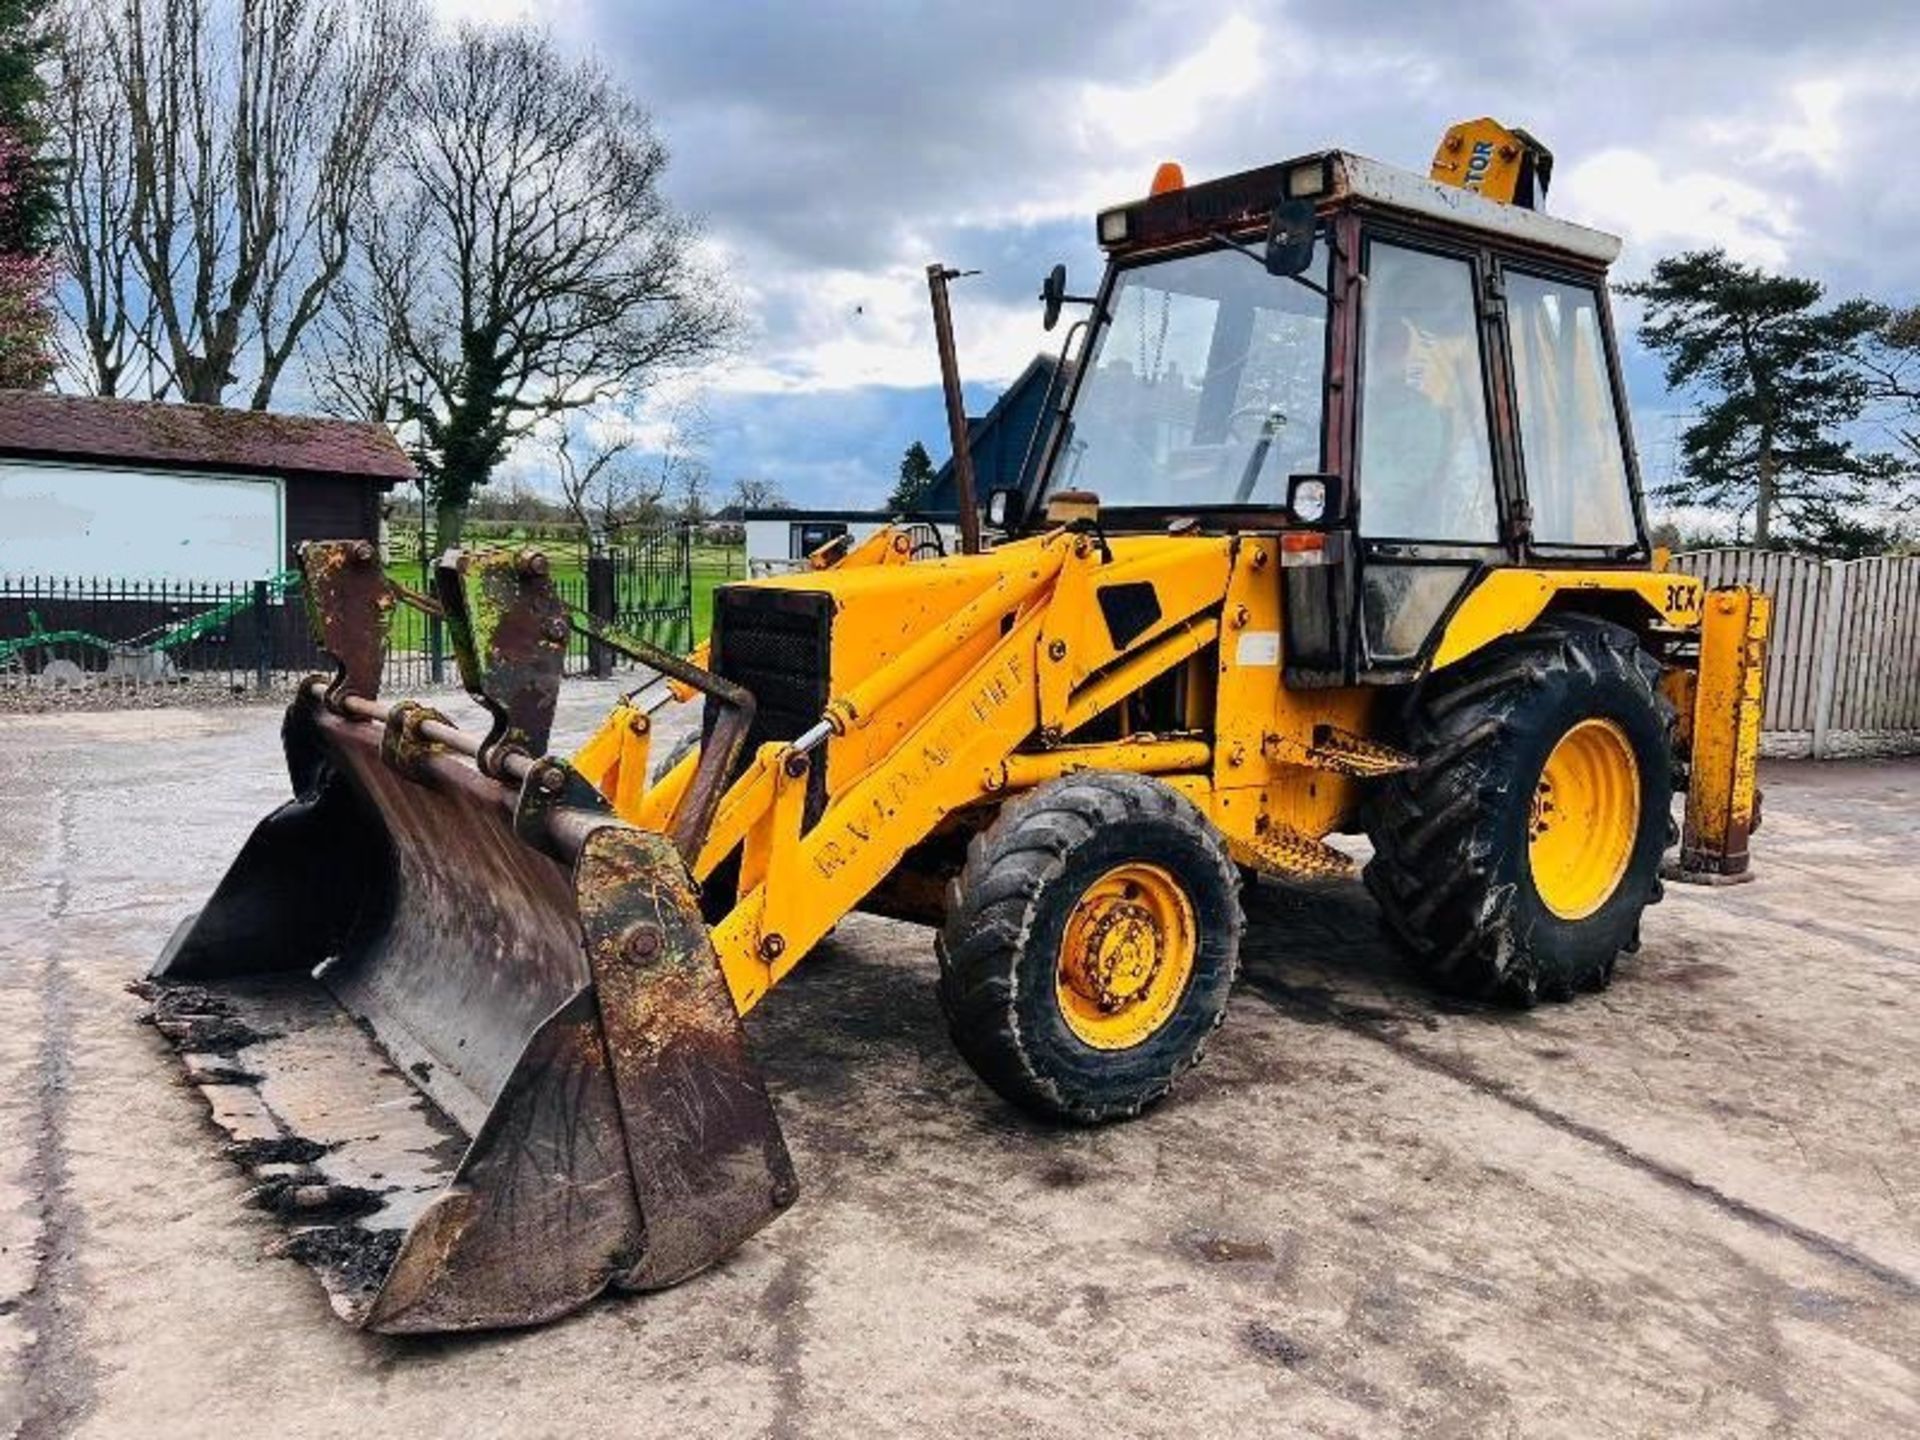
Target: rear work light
point(1305, 182)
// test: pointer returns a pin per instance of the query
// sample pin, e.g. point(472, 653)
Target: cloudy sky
point(834, 149)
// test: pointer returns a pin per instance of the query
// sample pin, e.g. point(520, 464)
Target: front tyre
point(1515, 861)
point(1090, 943)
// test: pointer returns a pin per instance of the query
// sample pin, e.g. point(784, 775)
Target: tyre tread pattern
point(991, 911)
point(1433, 870)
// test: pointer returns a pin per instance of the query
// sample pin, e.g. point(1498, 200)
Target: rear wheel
point(1515, 862)
point(1090, 943)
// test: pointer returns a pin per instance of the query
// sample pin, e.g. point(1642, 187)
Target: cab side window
point(1570, 445)
point(1426, 461)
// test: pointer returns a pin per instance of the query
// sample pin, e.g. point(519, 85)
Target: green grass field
point(712, 566)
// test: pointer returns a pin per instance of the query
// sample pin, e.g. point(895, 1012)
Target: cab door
point(1580, 481)
point(1435, 488)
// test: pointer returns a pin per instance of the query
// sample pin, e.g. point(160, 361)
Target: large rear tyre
point(1515, 862)
point(1090, 943)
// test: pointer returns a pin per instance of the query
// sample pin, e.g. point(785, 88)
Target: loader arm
point(1039, 669)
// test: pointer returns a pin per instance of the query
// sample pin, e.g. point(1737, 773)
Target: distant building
point(139, 490)
point(1005, 444)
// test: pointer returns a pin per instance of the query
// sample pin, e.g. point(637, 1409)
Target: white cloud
point(835, 148)
point(1815, 134)
point(842, 328)
point(845, 327)
point(1169, 107)
point(1655, 207)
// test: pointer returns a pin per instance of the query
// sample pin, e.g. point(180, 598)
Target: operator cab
point(1419, 379)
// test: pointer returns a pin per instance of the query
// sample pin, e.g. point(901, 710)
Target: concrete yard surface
point(1687, 1206)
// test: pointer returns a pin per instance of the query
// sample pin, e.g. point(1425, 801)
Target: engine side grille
point(779, 644)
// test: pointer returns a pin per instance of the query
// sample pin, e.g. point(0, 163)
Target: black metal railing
point(68, 631)
point(97, 632)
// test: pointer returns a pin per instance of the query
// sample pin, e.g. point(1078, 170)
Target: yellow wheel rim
point(1585, 819)
point(1126, 956)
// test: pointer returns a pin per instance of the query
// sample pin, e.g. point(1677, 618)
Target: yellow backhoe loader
point(1340, 532)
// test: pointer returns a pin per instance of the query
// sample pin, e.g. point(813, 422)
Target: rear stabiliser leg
point(1723, 792)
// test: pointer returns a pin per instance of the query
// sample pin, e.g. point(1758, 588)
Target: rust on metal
point(350, 608)
point(425, 604)
point(719, 763)
point(709, 1164)
point(716, 768)
point(509, 632)
point(548, 1093)
point(555, 801)
point(938, 277)
point(404, 745)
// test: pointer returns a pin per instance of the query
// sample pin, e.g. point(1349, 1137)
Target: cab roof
point(1236, 202)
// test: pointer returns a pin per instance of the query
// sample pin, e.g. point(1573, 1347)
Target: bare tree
point(606, 487)
point(106, 345)
point(690, 493)
point(356, 364)
point(1891, 365)
point(757, 495)
point(523, 259)
point(224, 150)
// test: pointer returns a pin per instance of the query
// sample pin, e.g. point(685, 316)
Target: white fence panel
point(1797, 585)
point(1878, 695)
point(1843, 664)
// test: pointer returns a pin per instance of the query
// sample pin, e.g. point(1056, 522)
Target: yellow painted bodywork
point(1725, 735)
point(1126, 954)
point(957, 683)
point(1505, 602)
point(1483, 156)
point(614, 758)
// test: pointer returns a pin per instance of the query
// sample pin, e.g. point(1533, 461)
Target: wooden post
point(1833, 596)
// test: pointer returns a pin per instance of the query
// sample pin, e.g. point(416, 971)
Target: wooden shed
point(147, 491)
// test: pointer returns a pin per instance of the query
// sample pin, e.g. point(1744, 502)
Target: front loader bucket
point(470, 1035)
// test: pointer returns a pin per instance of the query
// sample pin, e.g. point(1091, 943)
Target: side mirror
point(1053, 294)
point(1005, 509)
point(1290, 236)
point(1314, 500)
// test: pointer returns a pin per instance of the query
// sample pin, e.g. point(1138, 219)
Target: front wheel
point(1090, 943)
point(1514, 863)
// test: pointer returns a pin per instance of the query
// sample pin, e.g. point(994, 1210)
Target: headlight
point(1307, 499)
point(1306, 181)
point(1114, 226)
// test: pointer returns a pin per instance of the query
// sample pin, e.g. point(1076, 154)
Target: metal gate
point(1843, 663)
point(649, 587)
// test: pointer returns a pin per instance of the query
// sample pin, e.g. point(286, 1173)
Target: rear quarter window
point(1570, 444)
